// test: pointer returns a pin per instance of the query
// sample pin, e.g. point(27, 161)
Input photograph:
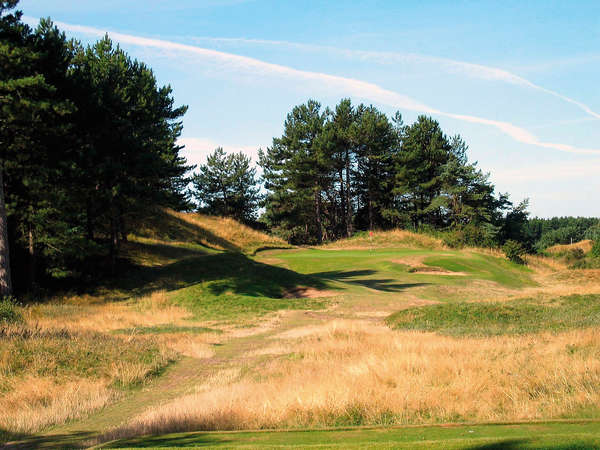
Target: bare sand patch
point(417, 267)
point(307, 292)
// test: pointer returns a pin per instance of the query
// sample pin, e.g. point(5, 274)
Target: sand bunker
point(416, 266)
point(307, 292)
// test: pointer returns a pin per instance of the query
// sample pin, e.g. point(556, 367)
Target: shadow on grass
point(145, 250)
point(506, 444)
point(53, 441)
point(221, 273)
point(174, 440)
point(168, 227)
point(357, 277)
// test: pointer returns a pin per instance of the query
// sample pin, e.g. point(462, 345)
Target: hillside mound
point(391, 238)
point(219, 233)
point(585, 245)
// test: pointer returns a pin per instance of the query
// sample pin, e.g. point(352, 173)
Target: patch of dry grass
point(35, 403)
point(215, 232)
point(585, 246)
point(393, 238)
point(93, 314)
point(353, 373)
point(60, 364)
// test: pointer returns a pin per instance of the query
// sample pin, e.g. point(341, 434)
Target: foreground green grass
point(498, 318)
point(583, 435)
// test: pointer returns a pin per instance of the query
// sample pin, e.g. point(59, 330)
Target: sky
point(517, 80)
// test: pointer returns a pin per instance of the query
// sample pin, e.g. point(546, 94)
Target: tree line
point(88, 139)
point(335, 171)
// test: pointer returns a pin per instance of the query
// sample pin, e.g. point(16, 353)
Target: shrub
point(573, 255)
point(470, 235)
point(514, 251)
point(595, 252)
point(8, 311)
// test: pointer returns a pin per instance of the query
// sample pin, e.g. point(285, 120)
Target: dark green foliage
point(471, 235)
point(8, 311)
point(353, 168)
point(595, 253)
point(87, 142)
point(515, 317)
point(227, 186)
point(544, 233)
point(593, 233)
point(514, 251)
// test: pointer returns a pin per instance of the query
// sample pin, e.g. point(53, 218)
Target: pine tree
point(296, 172)
point(425, 151)
point(227, 186)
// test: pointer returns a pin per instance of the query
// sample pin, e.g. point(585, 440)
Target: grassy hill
point(213, 326)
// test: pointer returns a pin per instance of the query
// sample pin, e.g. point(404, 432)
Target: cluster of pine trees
point(88, 139)
point(352, 168)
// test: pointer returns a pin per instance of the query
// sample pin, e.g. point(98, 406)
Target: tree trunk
point(114, 241)
point(344, 200)
point(370, 208)
point(349, 228)
point(32, 259)
point(89, 226)
point(5, 278)
point(318, 214)
point(122, 228)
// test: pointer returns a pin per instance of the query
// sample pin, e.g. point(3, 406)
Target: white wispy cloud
point(472, 70)
point(347, 86)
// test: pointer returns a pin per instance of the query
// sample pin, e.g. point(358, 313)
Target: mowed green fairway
point(576, 435)
point(392, 271)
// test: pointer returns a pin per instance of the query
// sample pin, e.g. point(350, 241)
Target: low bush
point(595, 253)
point(573, 255)
point(514, 251)
point(8, 311)
point(470, 236)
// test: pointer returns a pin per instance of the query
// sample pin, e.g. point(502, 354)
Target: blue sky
point(518, 80)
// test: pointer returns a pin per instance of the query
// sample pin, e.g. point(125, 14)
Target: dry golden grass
point(392, 238)
point(354, 372)
point(61, 364)
point(36, 403)
point(585, 246)
point(222, 233)
point(90, 313)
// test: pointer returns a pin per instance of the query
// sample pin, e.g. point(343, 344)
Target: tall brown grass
point(92, 313)
point(211, 231)
point(355, 372)
point(585, 246)
point(36, 403)
point(391, 238)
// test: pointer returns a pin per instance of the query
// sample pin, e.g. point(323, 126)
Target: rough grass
point(48, 376)
point(189, 229)
point(585, 246)
point(497, 318)
point(393, 238)
point(360, 373)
